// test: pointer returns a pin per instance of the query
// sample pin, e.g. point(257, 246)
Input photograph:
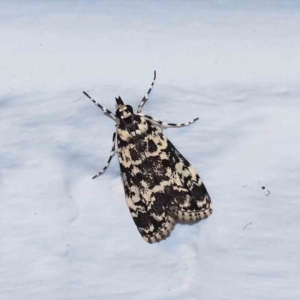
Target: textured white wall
point(236, 67)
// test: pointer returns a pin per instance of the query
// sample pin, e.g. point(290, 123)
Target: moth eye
point(118, 114)
point(129, 108)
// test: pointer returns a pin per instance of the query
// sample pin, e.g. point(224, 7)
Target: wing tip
point(162, 234)
point(183, 216)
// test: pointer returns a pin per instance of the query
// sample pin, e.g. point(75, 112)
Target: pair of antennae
point(120, 102)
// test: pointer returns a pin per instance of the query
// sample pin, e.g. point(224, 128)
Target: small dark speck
point(268, 192)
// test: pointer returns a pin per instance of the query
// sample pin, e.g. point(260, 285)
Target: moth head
point(123, 111)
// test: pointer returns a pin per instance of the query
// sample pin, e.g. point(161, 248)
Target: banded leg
point(112, 153)
point(106, 111)
point(145, 99)
point(172, 125)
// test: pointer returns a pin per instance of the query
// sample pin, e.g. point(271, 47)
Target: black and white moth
point(161, 187)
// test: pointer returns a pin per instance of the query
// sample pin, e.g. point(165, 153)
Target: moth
point(161, 187)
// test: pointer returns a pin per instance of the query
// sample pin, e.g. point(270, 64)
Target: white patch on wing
point(135, 170)
point(124, 134)
point(179, 168)
point(158, 217)
point(144, 184)
point(194, 175)
point(136, 197)
point(163, 155)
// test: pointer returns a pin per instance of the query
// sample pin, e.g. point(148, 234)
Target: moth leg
point(145, 99)
point(106, 111)
point(164, 124)
point(112, 154)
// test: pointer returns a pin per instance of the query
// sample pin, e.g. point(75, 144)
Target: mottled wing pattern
point(190, 199)
point(160, 184)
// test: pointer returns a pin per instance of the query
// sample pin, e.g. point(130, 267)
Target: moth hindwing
point(161, 187)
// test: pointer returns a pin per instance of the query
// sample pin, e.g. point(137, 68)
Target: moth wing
point(149, 209)
point(160, 185)
point(189, 198)
point(191, 201)
point(144, 187)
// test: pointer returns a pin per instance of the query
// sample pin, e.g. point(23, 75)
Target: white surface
point(236, 67)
